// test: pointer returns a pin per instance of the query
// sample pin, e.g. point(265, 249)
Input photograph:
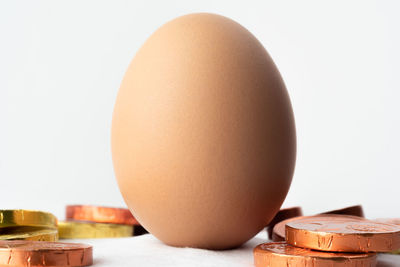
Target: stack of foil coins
point(27, 238)
point(340, 238)
point(28, 225)
point(85, 221)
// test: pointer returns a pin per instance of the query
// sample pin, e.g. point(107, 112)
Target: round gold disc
point(11, 218)
point(28, 233)
point(75, 229)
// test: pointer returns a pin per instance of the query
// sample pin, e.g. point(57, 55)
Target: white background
point(61, 64)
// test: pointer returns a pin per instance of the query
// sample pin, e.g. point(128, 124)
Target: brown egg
point(203, 134)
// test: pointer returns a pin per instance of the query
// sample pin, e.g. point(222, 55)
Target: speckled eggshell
point(203, 134)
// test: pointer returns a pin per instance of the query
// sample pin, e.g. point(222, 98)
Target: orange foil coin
point(278, 229)
point(282, 254)
point(391, 221)
point(343, 233)
point(282, 215)
point(100, 214)
point(278, 232)
point(42, 253)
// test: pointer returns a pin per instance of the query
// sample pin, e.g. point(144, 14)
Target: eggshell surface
point(203, 134)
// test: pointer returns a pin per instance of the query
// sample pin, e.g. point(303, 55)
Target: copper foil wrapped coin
point(41, 253)
point(342, 233)
point(391, 221)
point(100, 214)
point(282, 254)
point(278, 230)
point(282, 215)
point(278, 233)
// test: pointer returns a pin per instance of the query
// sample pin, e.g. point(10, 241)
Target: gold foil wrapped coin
point(28, 233)
point(12, 218)
point(75, 229)
point(342, 233)
point(397, 252)
point(281, 254)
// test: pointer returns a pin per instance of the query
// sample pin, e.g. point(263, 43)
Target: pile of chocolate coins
point(28, 225)
point(28, 238)
point(341, 238)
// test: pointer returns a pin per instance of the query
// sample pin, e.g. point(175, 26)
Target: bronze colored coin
point(283, 254)
point(77, 229)
point(28, 233)
point(11, 218)
point(395, 221)
point(100, 214)
point(41, 253)
point(343, 233)
point(282, 215)
point(353, 211)
point(278, 233)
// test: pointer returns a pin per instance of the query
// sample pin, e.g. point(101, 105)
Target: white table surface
point(146, 250)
